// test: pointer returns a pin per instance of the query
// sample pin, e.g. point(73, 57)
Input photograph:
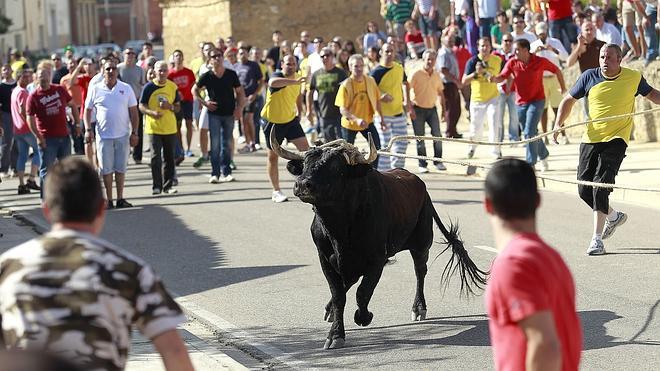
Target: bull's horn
point(373, 152)
point(284, 153)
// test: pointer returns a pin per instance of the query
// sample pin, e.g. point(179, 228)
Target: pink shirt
point(19, 98)
point(527, 277)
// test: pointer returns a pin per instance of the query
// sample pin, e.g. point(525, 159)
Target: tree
point(5, 23)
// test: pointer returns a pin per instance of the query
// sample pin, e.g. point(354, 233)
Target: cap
point(541, 27)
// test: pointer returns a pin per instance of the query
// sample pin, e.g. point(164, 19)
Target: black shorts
point(250, 107)
point(186, 111)
point(289, 131)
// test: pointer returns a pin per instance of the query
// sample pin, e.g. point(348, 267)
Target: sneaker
point(596, 247)
point(423, 170)
point(123, 204)
point(258, 147)
point(610, 227)
point(31, 184)
point(200, 161)
point(470, 153)
point(189, 153)
point(110, 205)
point(214, 179)
point(241, 139)
point(23, 189)
point(440, 166)
point(226, 179)
point(156, 191)
point(278, 197)
point(544, 165)
point(170, 191)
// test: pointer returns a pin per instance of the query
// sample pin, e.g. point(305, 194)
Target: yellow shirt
point(152, 94)
point(195, 64)
point(425, 88)
point(483, 90)
point(390, 80)
point(280, 106)
point(359, 104)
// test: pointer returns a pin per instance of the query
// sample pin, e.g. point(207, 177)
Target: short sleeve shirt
point(111, 104)
point(152, 95)
point(76, 296)
point(220, 90)
point(528, 78)
point(558, 9)
point(482, 89)
point(528, 277)
point(280, 106)
point(49, 109)
point(589, 59)
point(184, 80)
point(249, 75)
point(358, 104)
point(447, 59)
point(326, 83)
point(425, 88)
point(19, 98)
point(609, 97)
point(389, 80)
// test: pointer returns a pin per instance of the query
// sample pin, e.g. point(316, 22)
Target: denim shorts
point(113, 154)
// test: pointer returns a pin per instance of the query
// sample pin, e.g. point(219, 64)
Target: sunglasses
point(326, 55)
point(55, 59)
point(129, 53)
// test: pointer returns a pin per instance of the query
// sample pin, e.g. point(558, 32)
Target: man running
point(281, 113)
point(325, 82)
point(611, 90)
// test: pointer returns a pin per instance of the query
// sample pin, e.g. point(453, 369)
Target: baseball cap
point(541, 27)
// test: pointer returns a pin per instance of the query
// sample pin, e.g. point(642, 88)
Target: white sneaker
point(278, 197)
point(596, 247)
point(610, 226)
point(226, 179)
point(241, 139)
point(214, 179)
point(170, 191)
point(422, 170)
point(440, 166)
point(258, 147)
point(544, 165)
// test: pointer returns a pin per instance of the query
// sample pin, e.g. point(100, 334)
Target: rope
point(387, 152)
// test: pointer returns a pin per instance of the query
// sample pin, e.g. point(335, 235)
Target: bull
point(362, 217)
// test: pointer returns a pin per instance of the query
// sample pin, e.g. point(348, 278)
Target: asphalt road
point(249, 267)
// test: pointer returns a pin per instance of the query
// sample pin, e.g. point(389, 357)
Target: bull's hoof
point(334, 343)
point(329, 315)
point(363, 319)
point(418, 315)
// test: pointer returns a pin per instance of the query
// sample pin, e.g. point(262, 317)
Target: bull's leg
point(364, 292)
point(336, 335)
point(329, 315)
point(419, 305)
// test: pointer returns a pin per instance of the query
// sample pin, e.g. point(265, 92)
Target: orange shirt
point(425, 89)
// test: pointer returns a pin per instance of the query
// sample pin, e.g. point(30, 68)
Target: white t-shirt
point(525, 35)
point(459, 5)
point(113, 120)
point(548, 54)
point(609, 34)
point(487, 8)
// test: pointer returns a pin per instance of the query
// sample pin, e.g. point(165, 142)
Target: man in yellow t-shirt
point(611, 90)
point(394, 89)
point(484, 104)
point(358, 100)
point(426, 89)
point(159, 102)
point(281, 113)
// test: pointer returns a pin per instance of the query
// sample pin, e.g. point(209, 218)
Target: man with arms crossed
point(75, 295)
point(611, 90)
point(530, 296)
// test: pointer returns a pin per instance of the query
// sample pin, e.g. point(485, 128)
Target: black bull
point(362, 217)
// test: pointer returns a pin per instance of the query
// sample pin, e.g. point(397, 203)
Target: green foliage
point(5, 23)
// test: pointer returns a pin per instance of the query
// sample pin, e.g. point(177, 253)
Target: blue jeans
point(484, 26)
point(529, 115)
point(23, 143)
point(5, 142)
point(57, 148)
point(509, 102)
point(650, 33)
point(564, 30)
point(220, 131)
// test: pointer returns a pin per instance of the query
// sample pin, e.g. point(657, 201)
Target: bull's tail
point(472, 277)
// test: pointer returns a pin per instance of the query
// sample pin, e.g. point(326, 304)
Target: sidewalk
point(206, 354)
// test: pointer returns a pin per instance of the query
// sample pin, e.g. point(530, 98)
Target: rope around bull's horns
point(387, 151)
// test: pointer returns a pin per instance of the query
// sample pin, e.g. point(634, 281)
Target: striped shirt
point(399, 13)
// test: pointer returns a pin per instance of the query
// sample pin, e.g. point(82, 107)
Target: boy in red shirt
point(530, 295)
point(184, 78)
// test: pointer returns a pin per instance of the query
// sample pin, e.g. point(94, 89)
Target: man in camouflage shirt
point(75, 295)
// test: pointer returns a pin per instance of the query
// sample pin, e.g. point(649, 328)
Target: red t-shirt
point(49, 109)
point(527, 277)
point(528, 78)
point(558, 9)
point(414, 38)
point(184, 80)
point(462, 57)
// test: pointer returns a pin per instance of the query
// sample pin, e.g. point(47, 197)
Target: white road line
point(222, 325)
point(486, 248)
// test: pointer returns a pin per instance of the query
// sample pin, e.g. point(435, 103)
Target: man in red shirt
point(527, 70)
point(46, 113)
point(530, 295)
point(184, 78)
point(560, 19)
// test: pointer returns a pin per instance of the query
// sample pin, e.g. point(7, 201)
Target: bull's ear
point(295, 167)
point(359, 170)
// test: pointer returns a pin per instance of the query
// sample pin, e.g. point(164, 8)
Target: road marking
point(486, 248)
point(221, 325)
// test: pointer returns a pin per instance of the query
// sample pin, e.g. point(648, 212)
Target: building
point(48, 25)
point(187, 22)
point(15, 37)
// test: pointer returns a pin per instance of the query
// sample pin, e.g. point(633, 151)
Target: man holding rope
point(611, 90)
